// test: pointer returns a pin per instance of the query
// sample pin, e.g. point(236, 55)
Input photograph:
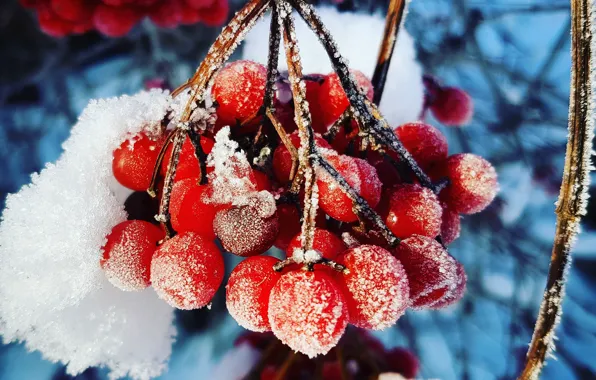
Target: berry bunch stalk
point(307, 160)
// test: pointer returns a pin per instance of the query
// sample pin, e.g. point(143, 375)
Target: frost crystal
point(53, 294)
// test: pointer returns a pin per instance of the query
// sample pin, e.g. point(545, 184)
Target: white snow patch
point(53, 294)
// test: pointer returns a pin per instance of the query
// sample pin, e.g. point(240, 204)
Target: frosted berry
point(190, 209)
point(248, 290)
point(187, 270)
point(114, 21)
point(424, 142)
point(282, 158)
point(314, 83)
point(245, 231)
point(473, 183)
point(454, 294)
point(403, 361)
point(413, 209)
point(308, 312)
point(360, 175)
point(452, 106)
point(188, 163)
point(238, 90)
point(134, 160)
point(450, 226)
point(432, 272)
point(332, 98)
point(126, 258)
point(376, 287)
point(329, 244)
point(261, 181)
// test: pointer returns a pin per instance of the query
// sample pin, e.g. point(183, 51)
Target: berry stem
point(285, 140)
point(164, 206)
point(573, 197)
point(272, 59)
point(154, 177)
point(393, 23)
point(369, 118)
point(303, 120)
point(337, 125)
point(195, 138)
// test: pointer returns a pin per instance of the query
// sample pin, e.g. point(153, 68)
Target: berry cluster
point(363, 281)
point(363, 356)
point(116, 18)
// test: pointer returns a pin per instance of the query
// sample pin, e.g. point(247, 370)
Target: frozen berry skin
point(452, 106)
point(261, 181)
point(431, 271)
point(426, 144)
point(238, 90)
point(473, 183)
point(282, 158)
point(190, 210)
point(244, 232)
point(329, 244)
point(308, 312)
point(188, 163)
point(360, 176)
point(376, 287)
point(332, 98)
point(413, 209)
point(454, 295)
point(187, 270)
point(450, 226)
point(114, 21)
point(248, 290)
point(403, 361)
point(126, 258)
point(134, 160)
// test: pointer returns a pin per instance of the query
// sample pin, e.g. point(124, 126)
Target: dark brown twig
point(574, 188)
point(393, 23)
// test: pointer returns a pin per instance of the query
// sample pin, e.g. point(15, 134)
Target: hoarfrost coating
point(53, 294)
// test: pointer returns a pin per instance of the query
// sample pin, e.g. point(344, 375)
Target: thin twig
point(574, 188)
point(393, 23)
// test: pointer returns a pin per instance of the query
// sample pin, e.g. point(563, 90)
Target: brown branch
point(164, 206)
point(393, 23)
point(574, 188)
point(154, 177)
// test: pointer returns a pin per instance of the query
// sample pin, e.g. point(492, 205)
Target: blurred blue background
point(511, 56)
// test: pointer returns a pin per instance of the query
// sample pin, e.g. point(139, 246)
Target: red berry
point(324, 241)
point(473, 183)
point(188, 163)
point(127, 254)
point(431, 271)
point(360, 175)
point(313, 84)
point(187, 270)
point(289, 227)
point(261, 181)
point(413, 209)
point(134, 160)
point(188, 15)
point(450, 226)
point(308, 312)
point(248, 290)
point(166, 14)
point(238, 90)
point(332, 371)
point(216, 14)
point(114, 21)
point(55, 26)
point(424, 142)
point(282, 158)
point(199, 4)
point(247, 230)
point(376, 287)
point(190, 209)
point(269, 373)
point(452, 106)
point(333, 100)
point(455, 294)
point(386, 171)
point(403, 361)
point(73, 10)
